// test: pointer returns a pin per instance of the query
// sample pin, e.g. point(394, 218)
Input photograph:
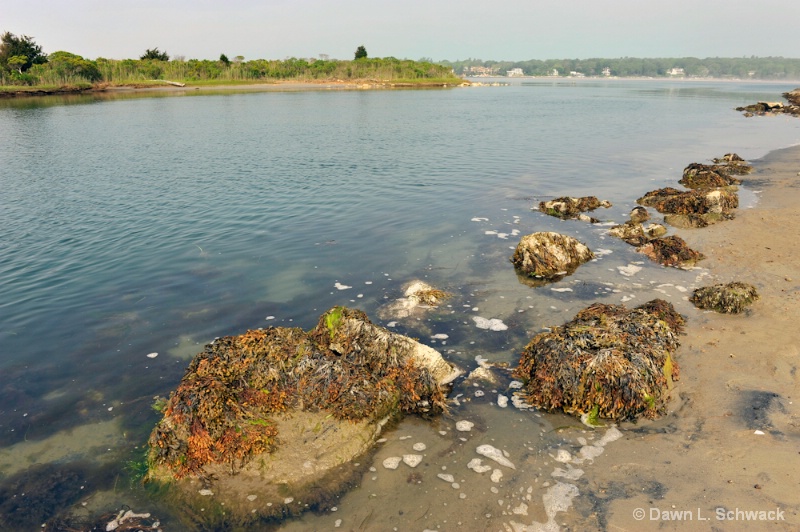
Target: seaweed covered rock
point(671, 251)
point(705, 176)
point(639, 215)
point(568, 208)
point(732, 164)
point(765, 108)
point(731, 298)
point(549, 255)
point(692, 208)
point(608, 362)
point(636, 234)
point(417, 295)
point(284, 407)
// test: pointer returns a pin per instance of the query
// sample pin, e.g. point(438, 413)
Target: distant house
point(554, 72)
point(676, 72)
point(574, 74)
point(606, 71)
point(514, 72)
point(481, 71)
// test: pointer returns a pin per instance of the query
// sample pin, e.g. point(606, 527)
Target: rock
point(639, 215)
point(417, 296)
point(635, 233)
point(608, 362)
point(732, 164)
point(493, 453)
point(671, 251)
point(731, 298)
point(340, 383)
point(762, 108)
point(571, 208)
point(697, 208)
point(703, 176)
point(549, 256)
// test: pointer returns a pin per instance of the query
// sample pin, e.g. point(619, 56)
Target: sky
point(512, 30)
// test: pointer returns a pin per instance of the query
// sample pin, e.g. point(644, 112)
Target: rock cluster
point(768, 108)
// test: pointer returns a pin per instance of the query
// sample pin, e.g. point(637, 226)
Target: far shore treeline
point(24, 63)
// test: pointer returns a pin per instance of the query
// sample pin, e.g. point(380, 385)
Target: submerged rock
point(572, 208)
point(273, 411)
point(731, 298)
point(671, 251)
point(417, 295)
point(608, 362)
point(549, 256)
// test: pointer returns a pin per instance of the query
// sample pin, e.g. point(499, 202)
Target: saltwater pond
point(137, 228)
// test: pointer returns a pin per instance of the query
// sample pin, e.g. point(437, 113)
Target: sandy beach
point(731, 442)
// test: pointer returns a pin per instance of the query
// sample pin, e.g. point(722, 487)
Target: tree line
point(768, 68)
point(22, 62)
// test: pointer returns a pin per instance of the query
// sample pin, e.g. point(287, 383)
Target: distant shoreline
point(294, 85)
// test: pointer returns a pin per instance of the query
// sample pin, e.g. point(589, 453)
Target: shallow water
point(144, 225)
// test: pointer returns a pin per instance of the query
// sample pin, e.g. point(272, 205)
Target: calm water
point(152, 224)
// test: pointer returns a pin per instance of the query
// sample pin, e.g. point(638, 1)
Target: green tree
point(361, 52)
point(224, 59)
point(12, 47)
point(155, 54)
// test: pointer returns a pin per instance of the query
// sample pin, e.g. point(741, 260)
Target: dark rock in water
point(793, 96)
point(608, 362)
point(671, 251)
point(706, 205)
point(704, 176)
point(549, 256)
point(572, 208)
point(275, 411)
point(636, 234)
point(731, 298)
point(639, 215)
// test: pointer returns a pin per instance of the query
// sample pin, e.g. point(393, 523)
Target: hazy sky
point(499, 29)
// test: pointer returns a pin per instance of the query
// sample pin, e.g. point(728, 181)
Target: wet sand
point(739, 375)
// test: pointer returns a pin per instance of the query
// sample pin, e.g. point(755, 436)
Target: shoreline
point(732, 437)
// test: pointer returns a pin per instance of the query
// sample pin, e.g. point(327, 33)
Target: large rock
point(608, 362)
point(636, 234)
point(549, 256)
point(696, 208)
point(277, 413)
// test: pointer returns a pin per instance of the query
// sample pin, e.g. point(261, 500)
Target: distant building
point(676, 72)
point(607, 71)
point(481, 71)
point(574, 74)
point(554, 72)
point(515, 72)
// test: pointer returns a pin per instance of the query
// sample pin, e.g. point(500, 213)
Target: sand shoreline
point(732, 439)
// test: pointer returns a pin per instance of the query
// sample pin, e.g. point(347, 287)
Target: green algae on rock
point(549, 256)
point(731, 298)
point(284, 407)
point(608, 362)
